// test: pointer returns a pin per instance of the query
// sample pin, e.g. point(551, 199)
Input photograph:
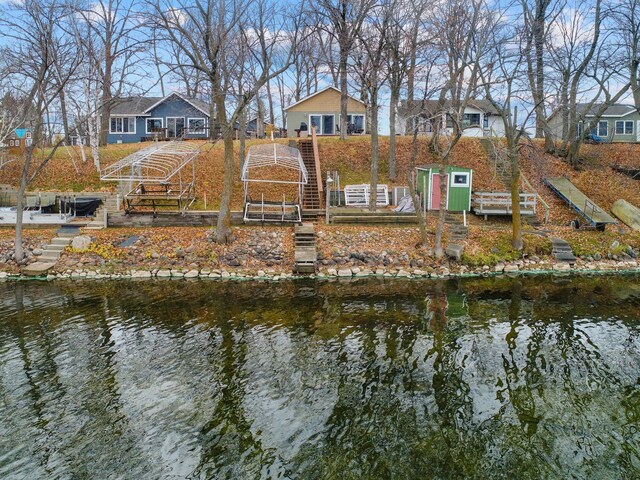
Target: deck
point(499, 203)
point(579, 201)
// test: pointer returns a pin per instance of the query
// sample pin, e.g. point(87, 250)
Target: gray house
point(618, 123)
point(137, 119)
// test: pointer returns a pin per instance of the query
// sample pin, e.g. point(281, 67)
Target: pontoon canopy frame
point(155, 164)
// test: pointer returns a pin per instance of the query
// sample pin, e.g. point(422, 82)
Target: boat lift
point(157, 176)
point(261, 166)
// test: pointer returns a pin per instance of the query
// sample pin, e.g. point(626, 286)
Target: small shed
point(459, 186)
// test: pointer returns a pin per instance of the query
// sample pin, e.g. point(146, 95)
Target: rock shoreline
point(515, 268)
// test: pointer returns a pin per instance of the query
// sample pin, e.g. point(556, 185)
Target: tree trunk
point(373, 193)
point(242, 136)
point(260, 118)
point(417, 205)
point(24, 181)
point(63, 112)
point(223, 230)
point(439, 250)
point(395, 94)
point(272, 118)
point(105, 107)
point(344, 95)
point(516, 219)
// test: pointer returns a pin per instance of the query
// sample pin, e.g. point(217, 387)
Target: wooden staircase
point(313, 192)
point(311, 199)
point(305, 249)
point(501, 166)
point(502, 169)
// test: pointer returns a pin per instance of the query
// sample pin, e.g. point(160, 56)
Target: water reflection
point(369, 379)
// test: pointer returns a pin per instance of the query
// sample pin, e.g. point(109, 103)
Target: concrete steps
point(458, 234)
point(52, 252)
point(562, 251)
point(305, 249)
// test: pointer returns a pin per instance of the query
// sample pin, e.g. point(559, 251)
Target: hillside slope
point(351, 159)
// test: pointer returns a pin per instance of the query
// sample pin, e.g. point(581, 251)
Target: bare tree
point(37, 42)
point(208, 35)
point(536, 17)
point(342, 19)
point(116, 48)
point(502, 73)
point(460, 30)
point(588, 67)
point(626, 22)
point(371, 61)
point(402, 45)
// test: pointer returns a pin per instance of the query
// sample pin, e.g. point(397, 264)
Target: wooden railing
point(499, 203)
point(316, 158)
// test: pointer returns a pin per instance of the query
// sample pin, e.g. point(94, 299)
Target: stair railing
point(316, 159)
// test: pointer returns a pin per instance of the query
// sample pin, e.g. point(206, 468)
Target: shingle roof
point(615, 110)
point(133, 105)
point(407, 107)
point(140, 105)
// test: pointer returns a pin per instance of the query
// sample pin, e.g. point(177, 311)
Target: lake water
point(533, 377)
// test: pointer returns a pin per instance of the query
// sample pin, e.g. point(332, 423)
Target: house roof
point(302, 100)
point(140, 106)
point(615, 110)
point(21, 132)
point(408, 107)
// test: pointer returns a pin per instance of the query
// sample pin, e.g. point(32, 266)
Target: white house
point(480, 118)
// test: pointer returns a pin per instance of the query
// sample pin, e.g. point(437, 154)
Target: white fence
point(358, 195)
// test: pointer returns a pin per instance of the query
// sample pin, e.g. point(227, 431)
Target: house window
point(325, 124)
point(153, 125)
point(27, 142)
point(624, 127)
point(460, 179)
point(17, 143)
point(471, 120)
point(355, 123)
point(315, 121)
point(122, 125)
point(11, 144)
point(485, 121)
point(602, 129)
point(196, 126)
point(449, 121)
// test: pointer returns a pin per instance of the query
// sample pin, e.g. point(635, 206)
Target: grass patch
point(492, 247)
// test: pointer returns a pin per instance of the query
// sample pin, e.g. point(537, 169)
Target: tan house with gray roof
point(322, 110)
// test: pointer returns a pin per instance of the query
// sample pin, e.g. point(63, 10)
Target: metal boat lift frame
point(273, 155)
point(155, 176)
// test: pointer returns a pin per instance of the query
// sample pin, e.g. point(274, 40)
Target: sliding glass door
point(325, 124)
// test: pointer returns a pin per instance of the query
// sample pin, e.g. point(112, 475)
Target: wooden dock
point(582, 204)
